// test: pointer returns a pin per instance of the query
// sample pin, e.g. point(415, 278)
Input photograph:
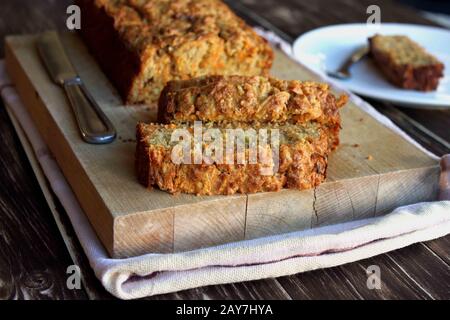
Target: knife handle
point(94, 126)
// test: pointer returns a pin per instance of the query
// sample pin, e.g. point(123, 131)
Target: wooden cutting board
point(373, 171)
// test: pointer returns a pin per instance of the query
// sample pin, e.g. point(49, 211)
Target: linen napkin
point(273, 256)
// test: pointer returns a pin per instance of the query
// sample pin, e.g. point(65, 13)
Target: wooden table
point(35, 254)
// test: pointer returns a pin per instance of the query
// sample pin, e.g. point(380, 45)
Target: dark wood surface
point(34, 255)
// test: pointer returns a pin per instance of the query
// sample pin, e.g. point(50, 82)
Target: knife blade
point(94, 126)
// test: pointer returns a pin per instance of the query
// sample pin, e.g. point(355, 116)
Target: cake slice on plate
point(405, 63)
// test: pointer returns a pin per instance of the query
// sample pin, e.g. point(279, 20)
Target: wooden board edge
point(422, 186)
point(180, 228)
point(59, 147)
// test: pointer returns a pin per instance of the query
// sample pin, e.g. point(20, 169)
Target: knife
point(95, 127)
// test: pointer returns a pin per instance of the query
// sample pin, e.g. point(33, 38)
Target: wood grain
point(30, 16)
point(297, 17)
point(320, 284)
point(440, 248)
point(25, 16)
point(395, 283)
point(288, 212)
point(433, 138)
point(425, 269)
point(32, 261)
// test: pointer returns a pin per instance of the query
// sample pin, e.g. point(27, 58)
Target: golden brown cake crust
point(251, 99)
point(303, 165)
point(142, 44)
point(405, 63)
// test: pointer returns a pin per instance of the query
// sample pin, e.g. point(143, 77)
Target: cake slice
point(405, 63)
point(251, 99)
point(298, 161)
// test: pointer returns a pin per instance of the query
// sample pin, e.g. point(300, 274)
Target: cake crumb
point(356, 145)
point(369, 157)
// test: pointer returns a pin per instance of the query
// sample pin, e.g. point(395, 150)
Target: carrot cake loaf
point(142, 44)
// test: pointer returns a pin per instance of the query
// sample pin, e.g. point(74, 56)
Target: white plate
point(328, 47)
